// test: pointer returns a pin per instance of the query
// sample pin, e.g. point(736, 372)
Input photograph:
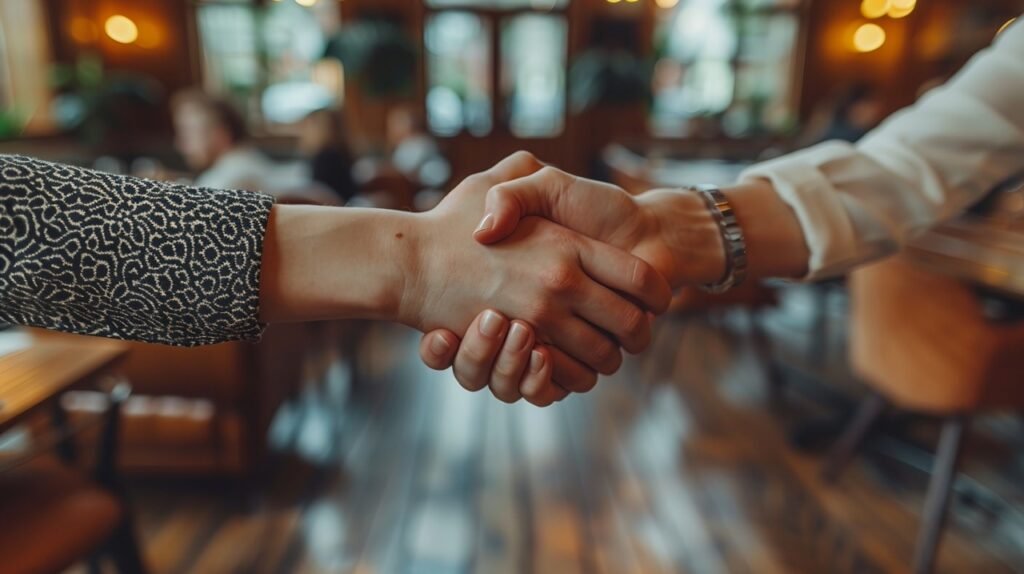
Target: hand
point(566, 285)
point(649, 227)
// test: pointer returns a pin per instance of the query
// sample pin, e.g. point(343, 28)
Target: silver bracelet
point(732, 239)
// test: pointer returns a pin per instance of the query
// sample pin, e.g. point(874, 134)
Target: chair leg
point(124, 550)
point(868, 413)
point(936, 503)
point(763, 348)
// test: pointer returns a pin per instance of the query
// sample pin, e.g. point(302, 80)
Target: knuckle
point(526, 158)
point(541, 402)
point(607, 357)
point(584, 383)
point(471, 384)
point(475, 354)
point(506, 395)
point(550, 172)
point(560, 278)
point(475, 180)
point(506, 370)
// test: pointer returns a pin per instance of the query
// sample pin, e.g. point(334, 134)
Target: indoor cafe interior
point(863, 421)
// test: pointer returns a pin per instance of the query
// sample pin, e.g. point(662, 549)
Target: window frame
point(737, 10)
point(495, 18)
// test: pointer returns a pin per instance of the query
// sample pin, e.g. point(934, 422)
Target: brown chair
point(922, 343)
point(55, 516)
point(204, 410)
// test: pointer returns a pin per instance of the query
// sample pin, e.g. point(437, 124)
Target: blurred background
point(329, 448)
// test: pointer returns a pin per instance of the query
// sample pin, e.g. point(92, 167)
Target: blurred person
point(413, 153)
point(213, 138)
point(813, 214)
point(323, 139)
point(116, 256)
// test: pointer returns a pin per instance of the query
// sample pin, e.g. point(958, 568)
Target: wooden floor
point(677, 464)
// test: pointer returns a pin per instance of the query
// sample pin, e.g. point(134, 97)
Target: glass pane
point(294, 38)
point(228, 35)
point(500, 4)
point(694, 74)
point(458, 73)
point(766, 69)
point(533, 62)
point(788, 4)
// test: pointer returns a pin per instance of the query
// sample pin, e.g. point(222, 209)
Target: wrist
point(684, 225)
point(776, 246)
point(336, 263)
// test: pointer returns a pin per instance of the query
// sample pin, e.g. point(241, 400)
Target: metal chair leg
point(933, 518)
point(124, 550)
point(868, 413)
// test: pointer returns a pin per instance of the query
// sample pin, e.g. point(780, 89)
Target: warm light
point(121, 29)
point(306, 3)
point(83, 30)
point(667, 3)
point(614, 1)
point(901, 8)
point(632, 1)
point(868, 38)
point(875, 8)
point(1005, 25)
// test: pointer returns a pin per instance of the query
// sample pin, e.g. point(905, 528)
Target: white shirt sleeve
point(923, 165)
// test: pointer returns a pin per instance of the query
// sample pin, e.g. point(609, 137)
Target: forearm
point(115, 256)
point(336, 263)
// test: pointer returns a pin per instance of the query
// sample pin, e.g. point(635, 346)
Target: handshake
point(569, 272)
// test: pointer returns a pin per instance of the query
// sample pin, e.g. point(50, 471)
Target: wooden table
point(39, 370)
point(975, 250)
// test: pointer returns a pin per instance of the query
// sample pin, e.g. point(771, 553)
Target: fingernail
point(639, 277)
point(486, 224)
point(492, 324)
point(439, 345)
point(518, 337)
point(536, 361)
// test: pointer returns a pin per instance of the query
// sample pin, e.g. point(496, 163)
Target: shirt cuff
point(802, 180)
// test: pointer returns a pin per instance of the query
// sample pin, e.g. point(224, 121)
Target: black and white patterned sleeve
point(98, 254)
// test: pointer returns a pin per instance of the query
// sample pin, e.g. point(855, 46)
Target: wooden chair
point(54, 516)
point(922, 343)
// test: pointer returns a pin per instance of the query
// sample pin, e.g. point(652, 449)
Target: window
point(458, 70)
point(270, 57)
point(733, 59)
point(531, 41)
point(500, 4)
point(24, 57)
point(533, 55)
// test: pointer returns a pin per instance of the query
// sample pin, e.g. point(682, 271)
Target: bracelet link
point(734, 243)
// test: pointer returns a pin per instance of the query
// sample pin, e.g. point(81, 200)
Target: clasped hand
point(576, 295)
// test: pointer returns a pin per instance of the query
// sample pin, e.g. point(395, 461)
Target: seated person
point(213, 138)
point(415, 167)
point(324, 141)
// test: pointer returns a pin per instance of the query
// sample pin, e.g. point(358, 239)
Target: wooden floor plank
point(677, 464)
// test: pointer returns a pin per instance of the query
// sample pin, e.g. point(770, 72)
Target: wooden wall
point(166, 53)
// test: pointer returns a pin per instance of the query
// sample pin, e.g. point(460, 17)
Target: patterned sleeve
point(98, 254)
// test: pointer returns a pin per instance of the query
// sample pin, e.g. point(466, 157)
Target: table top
point(36, 370)
point(976, 250)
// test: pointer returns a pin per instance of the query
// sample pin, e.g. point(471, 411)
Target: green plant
point(379, 56)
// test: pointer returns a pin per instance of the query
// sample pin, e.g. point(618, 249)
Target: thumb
point(437, 349)
point(507, 203)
